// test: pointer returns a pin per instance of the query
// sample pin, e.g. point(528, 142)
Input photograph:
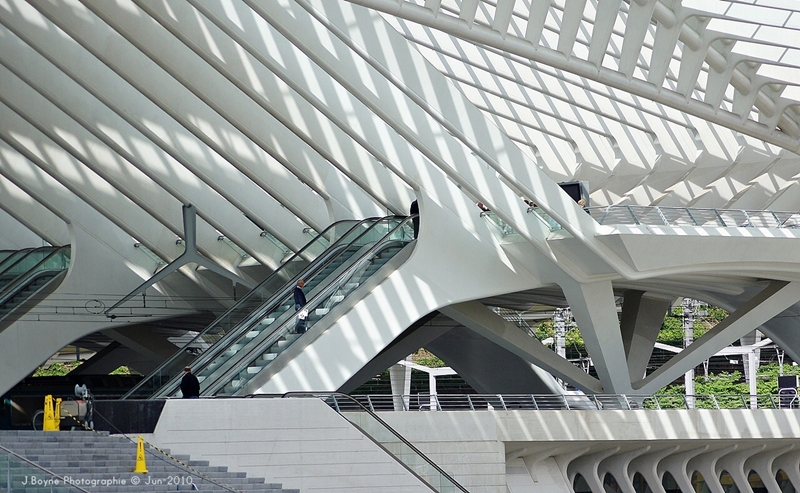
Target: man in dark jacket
point(299, 303)
point(190, 386)
point(414, 211)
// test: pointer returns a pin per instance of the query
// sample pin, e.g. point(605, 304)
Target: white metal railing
point(685, 216)
point(542, 402)
point(667, 216)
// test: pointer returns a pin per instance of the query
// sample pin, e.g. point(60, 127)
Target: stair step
point(88, 457)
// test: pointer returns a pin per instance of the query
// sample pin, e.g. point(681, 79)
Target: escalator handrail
point(11, 261)
point(386, 426)
point(319, 297)
point(246, 324)
point(32, 251)
point(244, 299)
point(29, 276)
point(11, 289)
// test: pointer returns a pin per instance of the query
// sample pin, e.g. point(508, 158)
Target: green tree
point(767, 377)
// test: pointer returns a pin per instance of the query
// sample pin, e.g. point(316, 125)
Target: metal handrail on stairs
point(446, 483)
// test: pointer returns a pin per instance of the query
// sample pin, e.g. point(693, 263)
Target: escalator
point(228, 376)
point(255, 318)
point(28, 272)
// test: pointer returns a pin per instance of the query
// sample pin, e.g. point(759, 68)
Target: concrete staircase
point(101, 462)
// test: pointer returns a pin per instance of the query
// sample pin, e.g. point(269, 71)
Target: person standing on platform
point(190, 386)
point(414, 211)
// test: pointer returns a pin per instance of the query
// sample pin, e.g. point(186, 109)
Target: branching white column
point(647, 466)
point(482, 320)
point(587, 466)
point(678, 466)
point(618, 466)
point(789, 463)
point(595, 312)
point(763, 464)
point(642, 316)
point(734, 464)
point(706, 464)
point(772, 300)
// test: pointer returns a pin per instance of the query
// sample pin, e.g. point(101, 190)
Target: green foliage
point(672, 328)
point(572, 338)
point(56, 369)
point(717, 314)
point(62, 369)
point(727, 387)
point(671, 331)
point(544, 330)
point(426, 358)
point(767, 377)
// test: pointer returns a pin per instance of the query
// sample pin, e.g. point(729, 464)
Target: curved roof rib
point(715, 80)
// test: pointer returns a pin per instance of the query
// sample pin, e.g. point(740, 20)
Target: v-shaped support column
point(642, 317)
point(769, 302)
point(476, 316)
point(595, 311)
point(189, 256)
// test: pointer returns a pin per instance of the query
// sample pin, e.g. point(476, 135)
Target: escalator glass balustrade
point(273, 329)
point(222, 340)
point(234, 372)
point(215, 332)
point(26, 272)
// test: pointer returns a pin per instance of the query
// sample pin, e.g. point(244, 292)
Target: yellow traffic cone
point(141, 466)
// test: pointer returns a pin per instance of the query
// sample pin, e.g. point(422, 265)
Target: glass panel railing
point(282, 302)
point(502, 226)
point(229, 375)
point(4, 254)
point(507, 232)
point(20, 474)
point(543, 216)
point(390, 440)
point(28, 261)
point(336, 234)
point(9, 262)
point(684, 216)
point(282, 307)
point(26, 271)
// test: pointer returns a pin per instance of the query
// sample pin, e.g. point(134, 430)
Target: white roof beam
point(128, 63)
point(31, 213)
point(108, 163)
point(605, 18)
point(570, 23)
point(785, 134)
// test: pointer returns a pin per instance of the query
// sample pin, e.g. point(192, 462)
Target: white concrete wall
point(464, 444)
point(542, 451)
point(300, 443)
point(303, 444)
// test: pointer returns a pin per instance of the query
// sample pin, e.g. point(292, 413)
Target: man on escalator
point(190, 385)
point(299, 303)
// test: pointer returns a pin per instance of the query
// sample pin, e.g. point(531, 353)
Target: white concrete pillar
point(400, 380)
point(595, 311)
